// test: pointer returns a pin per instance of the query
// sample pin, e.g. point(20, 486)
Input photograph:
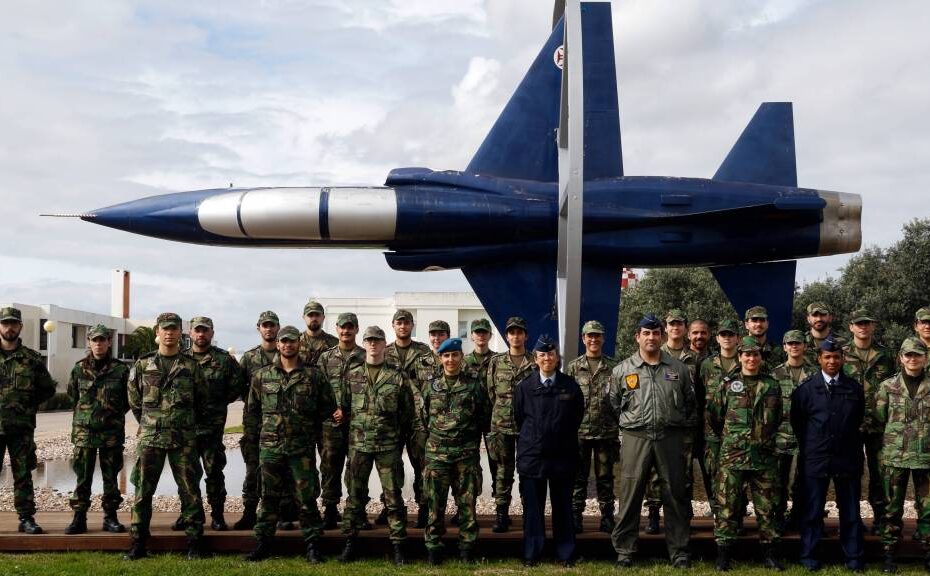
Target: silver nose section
point(841, 228)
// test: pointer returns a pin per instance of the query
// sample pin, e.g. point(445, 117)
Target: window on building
point(463, 329)
point(43, 335)
point(78, 336)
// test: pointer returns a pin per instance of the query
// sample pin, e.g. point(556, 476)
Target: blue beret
point(544, 344)
point(450, 345)
point(650, 321)
point(831, 345)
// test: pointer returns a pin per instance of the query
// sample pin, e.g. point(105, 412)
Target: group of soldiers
point(306, 392)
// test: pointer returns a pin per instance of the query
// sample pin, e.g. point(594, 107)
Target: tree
point(140, 342)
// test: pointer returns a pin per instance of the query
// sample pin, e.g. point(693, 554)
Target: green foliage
point(59, 401)
point(140, 342)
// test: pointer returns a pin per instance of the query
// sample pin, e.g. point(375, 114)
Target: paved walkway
point(52, 424)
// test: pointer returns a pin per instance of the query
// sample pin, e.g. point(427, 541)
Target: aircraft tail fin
point(769, 284)
point(764, 152)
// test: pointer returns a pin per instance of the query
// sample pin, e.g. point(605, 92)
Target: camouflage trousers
point(464, 478)
point(654, 487)
point(790, 485)
point(728, 491)
point(252, 483)
point(390, 470)
point(111, 462)
point(895, 482)
point(502, 453)
point(604, 454)
point(333, 446)
point(711, 464)
point(874, 443)
point(416, 452)
point(213, 459)
point(185, 466)
point(492, 468)
point(275, 469)
point(22, 451)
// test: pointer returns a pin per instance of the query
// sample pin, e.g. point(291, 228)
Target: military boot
point(27, 524)
point(889, 566)
point(313, 554)
point(137, 550)
point(382, 519)
point(578, 521)
point(607, 519)
point(111, 523)
point(466, 556)
point(422, 516)
point(248, 520)
point(878, 512)
point(78, 524)
point(331, 517)
point(652, 527)
point(770, 558)
point(195, 548)
point(363, 522)
point(218, 522)
point(723, 558)
point(261, 552)
point(178, 525)
point(399, 558)
point(434, 557)
point(348, 551)
point(501, 520)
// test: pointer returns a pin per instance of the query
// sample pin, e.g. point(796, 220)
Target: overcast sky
point(108, 101)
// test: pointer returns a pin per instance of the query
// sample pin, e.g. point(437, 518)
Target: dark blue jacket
point(827, 426)
point(548, 421)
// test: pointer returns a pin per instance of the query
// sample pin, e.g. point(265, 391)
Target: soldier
point(698, 335)
point(378, 403)
point(651, 394)
point(315, 340)
point(291, 400)
point(24, 384)
point(820, 322)
point(457, 411)
point(698, 338)
point(253, 360)
point(757, 324)
point(922, 325)
point(168, 396)
point(598, 434)
point(224, 385)
point(903, 402)
point(789, 375)
point(334, 443)
point(745, 413)
point(505, 371)
point(438, 333)
point(869, 363)
point(97, 389)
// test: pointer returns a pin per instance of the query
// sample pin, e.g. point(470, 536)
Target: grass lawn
point(105, 564)
point(233, 430)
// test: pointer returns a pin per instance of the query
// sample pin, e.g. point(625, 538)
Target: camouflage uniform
point(168, 396)
point(334, 442)
point(786, 444)
point(478, 364)
point(252, 361)
point(378, 412)
point(712, 374)
point(24, 384)
point(501, 381)
point(456, 412)
point(745, 413)
point(291, 407)
point(224, 381)
point(311, 347)
point(598, 434)
point(98, 390)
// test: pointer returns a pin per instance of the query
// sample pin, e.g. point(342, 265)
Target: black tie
point(547, 383)
point(830, 385)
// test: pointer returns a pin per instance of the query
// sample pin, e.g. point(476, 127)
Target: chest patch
point(672, 376)
point(437, 385)
point(632, 381)
point(737, 387)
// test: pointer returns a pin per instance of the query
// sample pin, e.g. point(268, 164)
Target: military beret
point(592, 327)
point(817, 308)
point(289, 333)
point(749, 344)
point(757, 312)
point(97, 331)
point(268, 316)
point(199, 321)
point(650, 322)
point(861, 315)
point(727, 326)
point(373, 333)
point(544, 344)
point(921, 314)
point(402, 315)
point(675, 315)
point(347, 318)
point(450, 345)
point(831, 344)
point(439, 326)
point(516, 322)
point(913, 345)
point(168, 319)
point(481, 324)
point(10, 313)
point(313, 306)
point(792, 336)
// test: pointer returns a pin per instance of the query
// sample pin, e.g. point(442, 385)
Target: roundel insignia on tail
point(558, 57)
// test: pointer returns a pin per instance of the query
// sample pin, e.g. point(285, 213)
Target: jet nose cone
point(170, 216)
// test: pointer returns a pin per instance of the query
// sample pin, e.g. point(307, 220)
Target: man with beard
point(820, 321)
point(757, 324)
point(698, 340)
point(314, 341)
point(24, 384)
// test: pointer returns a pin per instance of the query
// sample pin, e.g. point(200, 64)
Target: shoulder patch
point(632, 381)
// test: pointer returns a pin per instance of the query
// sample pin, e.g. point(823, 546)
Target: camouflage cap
point(313, 306)
point(289, 333)
point(592, 327)
point(402, 315)
point(168, 319)
point(757, 312)
point(727, 325)
point(793, 336)
point(817, 308)
point(675, 315)
point(10, 313)
point(912, 345)
point(373, 333)
point(450, 345)
point(921, 314)
point(481, 324)
point(268, 316)
point(516, 322)
point(201, 321)
point(861, 315)
point(347, 318)
point(439, 326)
point(749, 344)
point(97, 331)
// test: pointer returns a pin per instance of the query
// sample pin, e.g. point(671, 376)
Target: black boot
point(331, 517)
point(652, 527)
point(348, 552)
point(218, 522)
point(422, 516)
point(136, 551)
point(466, 556)
point(578, 521)
point(28, 525)
point(501, 520)
point(723, 558)
point(877, 514)
point(194, 549)
point(382, 519)
point(78, 524)
point(399, 558)
point(248, 520)
point(454, 519)
point(111, 523)
point(607, 519)
point(434, 557)
point(261, 552)
point(178, 525)
point(889, 566)
point(313, 554)
point(770, 558)
point(363, 523)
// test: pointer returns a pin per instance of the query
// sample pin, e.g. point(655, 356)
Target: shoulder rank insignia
point(736, 386)
point(632, 381)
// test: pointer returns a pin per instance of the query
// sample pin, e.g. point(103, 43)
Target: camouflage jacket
point(785, 440)
point(224, 381)
point(24, 384)
point(335, 363)
point(712, 375)
point(772, 356)
point(650, 399)
point(599, 422)
point(479, 364)
point(870, 374)
point(685, 356)
point(906, 423)
point(291, 407)
point(418, 367)
point(378, 412)
point(810, 354)
point(500, 382)
point(252, 361)
point(101, 400)
point(167, 406)
point(745, 413)
point(457, 412)
point(312, 346)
